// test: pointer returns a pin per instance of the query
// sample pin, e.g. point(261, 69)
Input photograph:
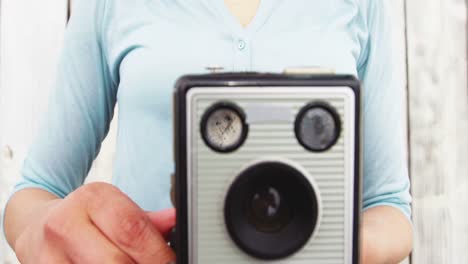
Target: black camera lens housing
point(271, 210)
point(317, 126)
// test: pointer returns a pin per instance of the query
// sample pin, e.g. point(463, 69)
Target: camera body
point(267, 168)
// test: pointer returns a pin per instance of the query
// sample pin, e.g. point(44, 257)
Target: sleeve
point(386, 180)
point(80, 107)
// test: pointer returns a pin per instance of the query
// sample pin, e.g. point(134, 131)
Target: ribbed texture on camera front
point(213, 173)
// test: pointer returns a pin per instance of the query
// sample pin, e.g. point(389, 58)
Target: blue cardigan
point(131, 52)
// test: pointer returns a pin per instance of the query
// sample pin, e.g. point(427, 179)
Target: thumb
point(163, 220)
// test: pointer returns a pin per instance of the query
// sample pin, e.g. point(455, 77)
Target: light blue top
point(131, 52)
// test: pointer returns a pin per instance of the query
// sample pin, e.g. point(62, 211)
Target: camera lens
point(268, 211)
point(271, 210)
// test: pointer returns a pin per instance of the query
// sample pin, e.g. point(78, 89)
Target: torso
point(150, 43)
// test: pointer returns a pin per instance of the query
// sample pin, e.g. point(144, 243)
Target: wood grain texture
point(31, 35)
point(439, 129)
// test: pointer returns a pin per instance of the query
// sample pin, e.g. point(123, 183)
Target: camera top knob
point(214, 68)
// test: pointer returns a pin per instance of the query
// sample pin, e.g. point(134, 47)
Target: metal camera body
point(267, 168)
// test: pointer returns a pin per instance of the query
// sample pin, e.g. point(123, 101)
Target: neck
point(243, 10)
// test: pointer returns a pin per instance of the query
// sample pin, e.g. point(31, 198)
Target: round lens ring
point(317, 126)
point(223, 127)
point(271, 210)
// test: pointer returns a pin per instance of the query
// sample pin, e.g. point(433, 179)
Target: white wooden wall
point(31, 35)
point(438, 101)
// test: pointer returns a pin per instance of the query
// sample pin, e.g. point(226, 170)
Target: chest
point(150, 51)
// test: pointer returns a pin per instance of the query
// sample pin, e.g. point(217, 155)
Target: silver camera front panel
point(209, 173)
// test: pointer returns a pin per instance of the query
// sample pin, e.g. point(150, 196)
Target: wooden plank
point(438, 129)
point(31, 34)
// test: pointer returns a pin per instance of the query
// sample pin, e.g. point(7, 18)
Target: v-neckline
point(264, 10)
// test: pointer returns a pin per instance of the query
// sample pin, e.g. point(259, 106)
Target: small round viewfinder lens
point(317, 126)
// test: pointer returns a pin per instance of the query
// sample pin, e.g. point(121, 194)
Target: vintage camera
point(267, 168)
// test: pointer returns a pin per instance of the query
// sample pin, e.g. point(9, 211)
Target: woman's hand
point(96, 224)
point(386, 236)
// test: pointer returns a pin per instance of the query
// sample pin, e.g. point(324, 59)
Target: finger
point(48, 255)
point(76, 236)
point(47, 252)
point(127, 226)
point(163, 220)
point(93, 247)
